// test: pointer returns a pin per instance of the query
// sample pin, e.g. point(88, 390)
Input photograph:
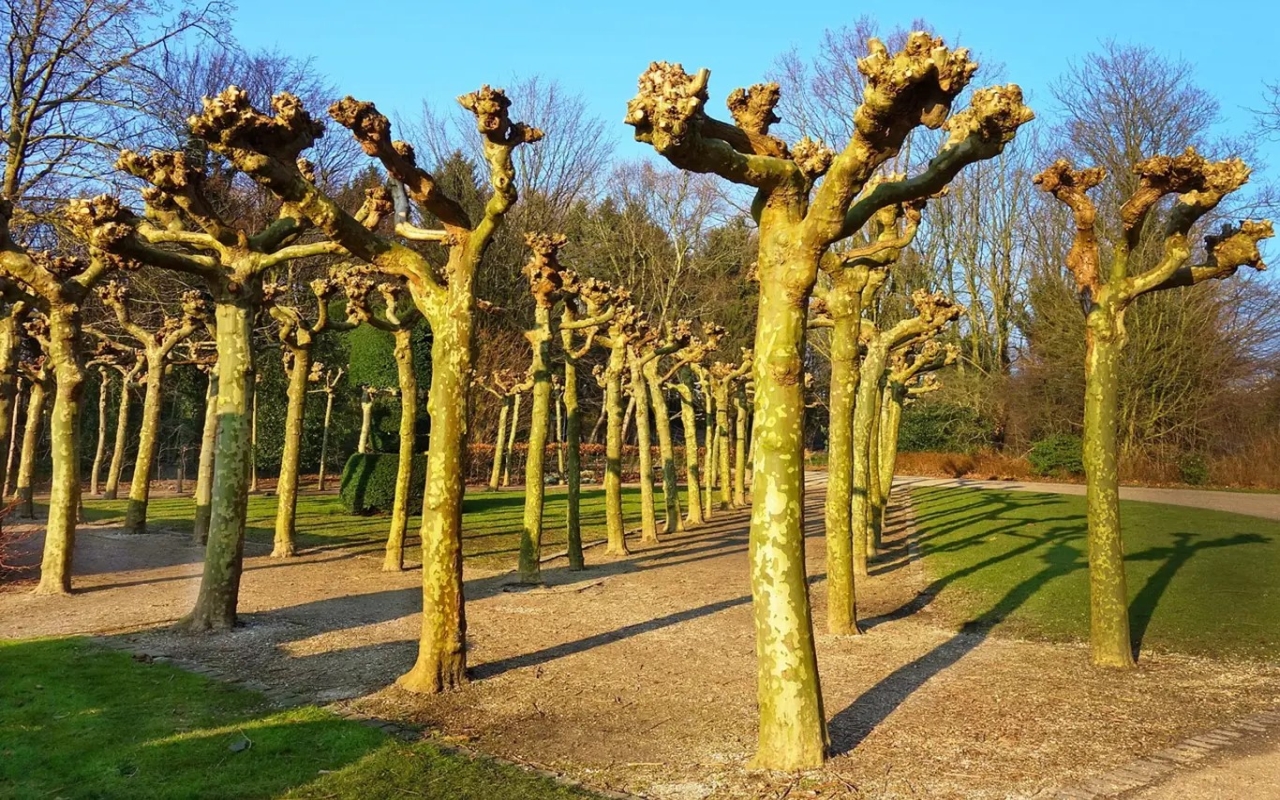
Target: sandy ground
point(638, 674)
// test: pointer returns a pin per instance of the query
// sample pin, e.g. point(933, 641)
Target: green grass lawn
point(78, 721)
point(492, 523)
point(1201, 582)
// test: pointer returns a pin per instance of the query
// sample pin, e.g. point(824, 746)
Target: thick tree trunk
point(204, 472)
point(842, 598)
point(1108, 593)
point(688, 421)
point(617, 544)
point(114, 470)
point(36, 398)
point(215, 607)
point(64, 438)
point(393, 561)
point(135, 520)
point(644, 439)
point(442, 657)
point(511, 440)
point(100, 450)
point(291, 456)
point(535, 462)
point(793, 731)
point(864, 413)
point(324, 440)
point(500, 446)
point(573, 462)
point(666, 449)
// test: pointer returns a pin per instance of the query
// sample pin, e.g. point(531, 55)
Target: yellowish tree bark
point(617, 334)
point(800, 218)
point(1197, 186)
point(329, 386)
point(39, 382)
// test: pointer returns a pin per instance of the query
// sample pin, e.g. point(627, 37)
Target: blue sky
point(397, 52)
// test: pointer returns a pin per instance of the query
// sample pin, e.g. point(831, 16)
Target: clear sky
point(398, 52)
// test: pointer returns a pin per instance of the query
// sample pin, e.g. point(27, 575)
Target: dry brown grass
point(983, 465)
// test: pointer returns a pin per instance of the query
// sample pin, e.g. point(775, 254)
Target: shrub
point(1059, 454)
point(1194, 469)
point(943, 428)
point(369, 482)
point(956, 465)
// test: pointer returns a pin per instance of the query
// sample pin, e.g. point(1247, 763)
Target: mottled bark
point(666, 449)
point(617, 542)
point(64, 438)
point(36, 398)
point(689, 423)
point(644, 441)
point(215, 607)
point(407, 377)
point(135, 520)
point(291, 455)
point(116, 467)
point(204, 471)
point(100, 449)
point(740, 447)
point(534, 466)
point(866, 408)
point(842, 603)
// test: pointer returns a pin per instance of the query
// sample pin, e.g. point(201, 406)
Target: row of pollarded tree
point(843, 215)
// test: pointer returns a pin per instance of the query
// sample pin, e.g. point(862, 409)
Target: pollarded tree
point(330, 379)
point(181, 231)
point(597, 301)
point(910, 375)
point(742, 392)
point(693, 353)
point(703, 374)
point(677, 336)
point(397, 316)
point(297, 337)
point(14, 305)
point(132, 367)
point(34, 365)
point(442, 288)
point(933, 312)
point(1106, 291)
point(725, 378)
point(617, 335)
point(208, 447)
point(800, 218)
point(155, 347)
point(506, 385)
point(59, 286)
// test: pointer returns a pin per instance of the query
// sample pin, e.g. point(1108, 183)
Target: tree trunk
point(253, 437)
point(9, 469)
point(793, 731)
point(9, 389)
point(36, 399)
point(64, 438)
point(407, 378)
point(442, 657)
point(666, 449)
point(135, 520)
point(1108, 593)
point(600, 421)
point(291, 456)
point(864, 413)
point(112, 489)
point(890, 424)
point(559, 435)
point(709, 457)
point(204, 472)
point(842, 598)
point(723, 445)
point(500, 446)
point(511, 440)
point(617, 544)
point(644, 440)
point(100, 451)
point(215, 607)
point(573, 461)
point(876, 494)
point(366, 420)
point(626, 419)
point(534, 463)
point(324, 439)
point(688, 421)
point(740, 448)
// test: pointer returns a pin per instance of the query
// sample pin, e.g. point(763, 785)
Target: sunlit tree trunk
point(10, 469)
point(709, 454)
point(866, 408)
point(135, 520)
point(666, 449)
point(366, 418)
point(617, 542)
point(100, 450)
point(36, 398)
point(688, 421)
point(9, 337)
point(64, 438)
point(556, 404)
point(740, 448)
point(291, 455)
point(324, 439)
point(842, 603)
point(535, 461)
point(724, 445)
point(204, 471)
point(116, 467)
point(500, 446)
point(511, 440)
point(253, 436)
point(407, 377)
point(644, 436)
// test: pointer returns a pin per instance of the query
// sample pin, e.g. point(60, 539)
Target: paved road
point(1253, 504)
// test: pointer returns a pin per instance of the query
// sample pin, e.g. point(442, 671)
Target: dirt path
point(1252, 504)
point(638, 674)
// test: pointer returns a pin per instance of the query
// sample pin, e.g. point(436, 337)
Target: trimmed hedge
point(369, 482)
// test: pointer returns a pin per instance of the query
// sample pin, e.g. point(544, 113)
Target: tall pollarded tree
point(441, 281)
point(35, 367)
point(330, 379)
point(505, 385)
point(691, 355)
point(677, 338)
point(800, 218)
point(397, 316)
point(297, 337)
point(14, 305)
point(597, 309)
point(617, 334)
point(132, 367)
point(645, 345)
point(155, 346)
point(1106, 291)
point(933, 312)
point(724, 379)
point(59, 286)
point(182, 231)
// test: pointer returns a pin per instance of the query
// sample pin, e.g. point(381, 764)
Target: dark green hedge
point(369, 482)
point(1059, 454)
